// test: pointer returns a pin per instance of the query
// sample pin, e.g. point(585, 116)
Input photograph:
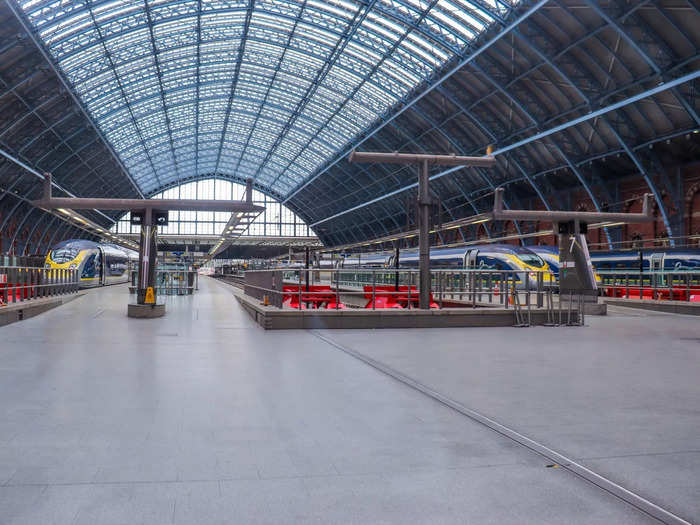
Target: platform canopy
point(267, 89)
point(583, 102)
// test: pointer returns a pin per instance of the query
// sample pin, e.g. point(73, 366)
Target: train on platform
point(98, 264)
point(497, 257)
point(648, 260)
point(607, 265)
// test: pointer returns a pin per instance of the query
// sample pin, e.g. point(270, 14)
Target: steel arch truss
point(554, 66)
point(269, 89)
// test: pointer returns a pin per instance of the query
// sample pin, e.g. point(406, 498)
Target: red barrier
point(390, 297)
point(17, 292)
point(317, 296)
point(677, 293)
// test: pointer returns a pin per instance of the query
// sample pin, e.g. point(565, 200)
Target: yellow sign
point(150, 296)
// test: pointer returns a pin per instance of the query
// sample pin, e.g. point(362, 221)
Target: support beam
point(502, 34)
point(424, 162)
point(73, 203)
point(501, 214)
point(147, 209)
point(574, 122)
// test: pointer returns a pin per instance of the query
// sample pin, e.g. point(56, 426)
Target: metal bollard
point(337, 291)
point(300, 290)
point(410, 283)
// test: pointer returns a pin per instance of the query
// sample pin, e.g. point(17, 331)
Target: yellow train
point(98, 264)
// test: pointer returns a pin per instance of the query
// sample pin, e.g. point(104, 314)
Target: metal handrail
point(453, 285)
point(167, 288)
point(672, 285)
point(19, 283)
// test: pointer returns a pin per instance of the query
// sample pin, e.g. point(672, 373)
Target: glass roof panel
point(269, 89)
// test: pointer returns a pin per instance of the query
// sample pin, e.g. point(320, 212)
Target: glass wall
point(276, 220)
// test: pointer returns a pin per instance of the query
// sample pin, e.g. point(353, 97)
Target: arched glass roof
point(269, 89)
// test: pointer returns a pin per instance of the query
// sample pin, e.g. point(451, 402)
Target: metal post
point(410, 283)
point(249, 191)
point(641, 274)
point(7, 283)
point(148, 252)
point(299, 289)
point(396, 266)
point(424, 237)
point(337, 289)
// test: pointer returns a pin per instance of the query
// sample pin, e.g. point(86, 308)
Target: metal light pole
point(576, 275)
point(423, 237)
point(148, 213)
point(424, 202)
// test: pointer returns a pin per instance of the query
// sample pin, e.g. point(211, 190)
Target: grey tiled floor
point(621, 396)
point(202, 417)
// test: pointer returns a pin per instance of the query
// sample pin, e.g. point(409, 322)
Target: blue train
point(98, 264)
point(497, 257)
point(647, 260)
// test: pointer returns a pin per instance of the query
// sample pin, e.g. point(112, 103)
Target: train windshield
point(64, 255)
point(531, 259)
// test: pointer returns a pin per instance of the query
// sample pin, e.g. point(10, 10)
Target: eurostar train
point(98, 264)
point(648, 260)
point(550, 254)
point(650, 273)
point(482, 257)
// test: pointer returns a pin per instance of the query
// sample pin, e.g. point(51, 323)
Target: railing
point(171, 282)
point(682, 285)
point(374, 289)
point(19, 284)
point(24, 261)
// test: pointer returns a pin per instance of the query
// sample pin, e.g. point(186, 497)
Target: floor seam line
point(565, 462)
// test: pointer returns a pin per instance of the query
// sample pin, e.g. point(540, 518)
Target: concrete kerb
point(272, 318)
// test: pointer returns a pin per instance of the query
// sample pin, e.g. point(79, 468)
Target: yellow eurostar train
point(98, 264)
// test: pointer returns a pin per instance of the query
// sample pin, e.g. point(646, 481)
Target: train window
point(89, 268)
point(491, 263)
point(64, 255)
point(531, 259)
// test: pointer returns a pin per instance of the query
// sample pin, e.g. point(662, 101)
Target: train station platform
point(204, 417)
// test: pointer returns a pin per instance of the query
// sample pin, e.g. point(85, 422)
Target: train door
point(656, 266)
point(101, 267)
point(470, 259)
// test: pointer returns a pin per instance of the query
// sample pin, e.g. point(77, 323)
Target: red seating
point(390, 297)
point(317, 296)
point(678, 293)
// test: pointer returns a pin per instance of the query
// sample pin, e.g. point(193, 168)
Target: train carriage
point(98, 264)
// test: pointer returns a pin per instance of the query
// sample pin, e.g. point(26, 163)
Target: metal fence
point(19, 284)
point(171, 282)
point(25, 261)
point(659, 285)
point(521, 291)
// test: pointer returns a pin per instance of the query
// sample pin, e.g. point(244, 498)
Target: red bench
point(390, 297)
point(317, 296)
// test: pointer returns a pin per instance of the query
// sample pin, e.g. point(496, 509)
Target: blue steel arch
point(379, 51)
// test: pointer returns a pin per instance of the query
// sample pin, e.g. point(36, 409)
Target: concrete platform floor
point(203, 417)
